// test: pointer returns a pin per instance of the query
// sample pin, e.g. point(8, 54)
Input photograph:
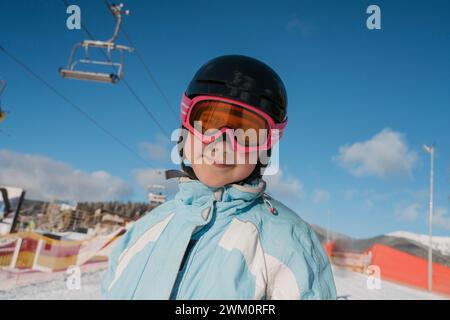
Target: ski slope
point(52, 285)
point(353, 286)
point(350, 286)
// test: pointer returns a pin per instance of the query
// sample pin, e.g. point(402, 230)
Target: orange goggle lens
point(215, 115)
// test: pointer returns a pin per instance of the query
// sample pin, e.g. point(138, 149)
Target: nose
point(222, 147)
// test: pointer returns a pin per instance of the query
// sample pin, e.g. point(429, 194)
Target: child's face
point(216, 164)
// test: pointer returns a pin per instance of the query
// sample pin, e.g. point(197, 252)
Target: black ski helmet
point(244, 79)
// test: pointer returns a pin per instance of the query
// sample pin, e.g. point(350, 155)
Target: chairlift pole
point(430, 150)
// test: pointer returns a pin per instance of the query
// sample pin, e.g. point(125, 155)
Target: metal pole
point(430, 252)
point(430, 150)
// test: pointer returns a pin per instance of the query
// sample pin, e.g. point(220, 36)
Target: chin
point(213, 183)
point(214, 180)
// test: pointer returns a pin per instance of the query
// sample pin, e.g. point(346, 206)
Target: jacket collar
point(233, 196)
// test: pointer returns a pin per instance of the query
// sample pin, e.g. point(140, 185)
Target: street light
point(430, 150)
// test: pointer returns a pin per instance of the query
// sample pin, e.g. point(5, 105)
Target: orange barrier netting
point(401, 267)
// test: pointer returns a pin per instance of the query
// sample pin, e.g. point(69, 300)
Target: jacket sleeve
point(304, 271)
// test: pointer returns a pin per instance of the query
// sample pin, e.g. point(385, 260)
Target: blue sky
point(361, 102)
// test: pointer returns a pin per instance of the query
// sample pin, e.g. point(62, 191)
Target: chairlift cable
point(145, 108)
point(71, 103)
point(146, 67)
point(2, 86)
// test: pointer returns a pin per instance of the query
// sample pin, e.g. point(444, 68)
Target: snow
point(353, 286)
point(4, 227)
point(441, 244)
point(52, 286)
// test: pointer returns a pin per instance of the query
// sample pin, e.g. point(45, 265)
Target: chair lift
point(72, 73)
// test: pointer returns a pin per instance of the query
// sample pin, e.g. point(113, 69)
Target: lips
point(222, 165)
point(216, 164)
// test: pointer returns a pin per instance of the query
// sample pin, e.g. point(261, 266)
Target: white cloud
point(158, 150)
point(373, 195)
point(368, 199)
point(284, 187)
point(385, 154)
point(320, 195)
point(409, 213)
point(146, 177)
point(153, 151)
point(412, 212)
point(46, 179)
point(292, 24)
point(441, 218)
point(350, 194)
point(296, 24)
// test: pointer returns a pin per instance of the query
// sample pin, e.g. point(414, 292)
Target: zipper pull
point(269, 205)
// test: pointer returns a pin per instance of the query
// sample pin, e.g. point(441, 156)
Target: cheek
point(192, 148)
point(187, 148)
point(250, 158)
point(244, 170)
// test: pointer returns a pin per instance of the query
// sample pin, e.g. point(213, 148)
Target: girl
point(222, 237)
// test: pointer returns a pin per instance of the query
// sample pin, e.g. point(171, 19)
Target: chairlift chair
point(108, 46)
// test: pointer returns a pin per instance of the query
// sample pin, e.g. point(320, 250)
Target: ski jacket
point(233, 242)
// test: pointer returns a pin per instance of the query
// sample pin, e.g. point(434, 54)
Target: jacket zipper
point(188, 264)
point(179, 265)
point(191, 256)
point(182, 269)
point(194, 249)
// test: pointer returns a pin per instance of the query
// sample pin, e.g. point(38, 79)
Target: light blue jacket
point(237, 248)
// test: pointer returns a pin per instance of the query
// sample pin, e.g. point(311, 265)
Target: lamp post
point(430, 150)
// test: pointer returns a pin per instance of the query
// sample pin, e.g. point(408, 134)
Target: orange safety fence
point(328, 246)
point(405, 268)
point(395, 265)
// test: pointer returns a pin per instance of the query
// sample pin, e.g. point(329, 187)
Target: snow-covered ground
point(441, 244)
point(350, 286)
point(53, 286)
point(353, 286)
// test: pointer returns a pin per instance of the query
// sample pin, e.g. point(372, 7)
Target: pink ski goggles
point(248, 128)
